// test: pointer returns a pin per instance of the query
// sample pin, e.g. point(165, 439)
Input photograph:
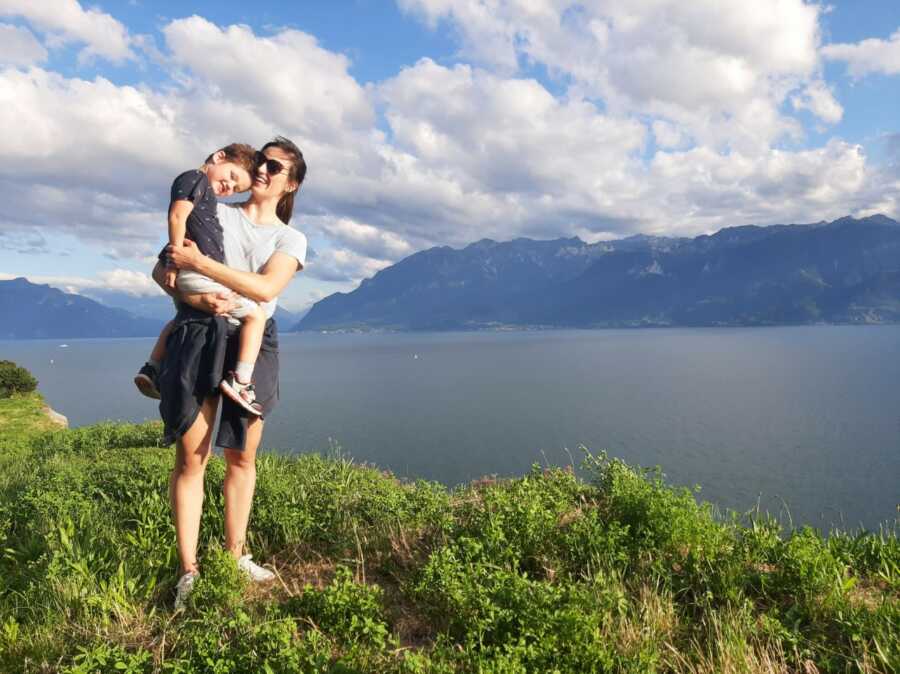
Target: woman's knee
point(194, 448)
point(240, 460)
point(191, 462)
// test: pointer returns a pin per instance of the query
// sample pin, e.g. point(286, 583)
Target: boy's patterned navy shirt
point(202, 227)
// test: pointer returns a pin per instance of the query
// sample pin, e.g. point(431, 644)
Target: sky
point(439, 122)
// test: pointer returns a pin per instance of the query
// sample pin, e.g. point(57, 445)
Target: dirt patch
point(870, 594)
point(410, 624)
point(293, 572)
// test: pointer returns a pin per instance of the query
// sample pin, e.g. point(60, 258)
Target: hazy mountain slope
point(32, 311)
point(843, 271)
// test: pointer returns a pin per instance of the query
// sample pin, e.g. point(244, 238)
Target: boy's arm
point(178, 214)
point(179, 211)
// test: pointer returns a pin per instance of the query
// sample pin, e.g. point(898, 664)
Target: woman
point(262, 255)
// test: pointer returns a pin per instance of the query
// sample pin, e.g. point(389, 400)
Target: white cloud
point(118, 226)
point(343, 265)
point(360, 237)
point(286, 79)
point(818, 98)
point(66, 21)
point(668, 135)
point(126, 281)
point(89, 132)
point(704, 190)
point(488, 36)
point(700, 64)
point(500, 134)
point(868, 56)
point(472, 150)
point(19, 46)
point(480, 155)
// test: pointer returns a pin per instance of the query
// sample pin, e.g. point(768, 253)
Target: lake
point(801, 421)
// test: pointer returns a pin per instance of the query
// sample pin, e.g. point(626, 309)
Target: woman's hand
point(185, 256)
point(216, 304)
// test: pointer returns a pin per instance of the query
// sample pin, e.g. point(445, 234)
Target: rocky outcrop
point(56, 417)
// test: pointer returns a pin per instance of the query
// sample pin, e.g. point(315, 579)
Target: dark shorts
point(200, 350)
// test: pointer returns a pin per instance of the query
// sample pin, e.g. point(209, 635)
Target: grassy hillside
point(22, 416)
point(544, 573)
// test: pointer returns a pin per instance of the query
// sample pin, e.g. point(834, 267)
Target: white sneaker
point(254, 570)
point(183, 588)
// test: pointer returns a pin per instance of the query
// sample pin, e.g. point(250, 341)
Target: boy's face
point(227, 178)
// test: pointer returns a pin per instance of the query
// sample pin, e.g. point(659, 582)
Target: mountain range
point(845, 271)
point(36, 311)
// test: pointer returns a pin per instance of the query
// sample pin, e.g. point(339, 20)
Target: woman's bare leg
point(186, 483)
point(240, 483)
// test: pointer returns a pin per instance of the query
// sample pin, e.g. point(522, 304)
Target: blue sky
point(440, 122)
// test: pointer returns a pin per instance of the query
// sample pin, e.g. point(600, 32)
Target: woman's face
point(266, 184)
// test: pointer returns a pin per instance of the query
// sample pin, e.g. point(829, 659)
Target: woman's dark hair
point(297, 173)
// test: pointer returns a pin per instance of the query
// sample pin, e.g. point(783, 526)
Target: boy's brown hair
point(241, 154)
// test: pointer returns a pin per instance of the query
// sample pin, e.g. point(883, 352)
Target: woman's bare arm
point(263, 286)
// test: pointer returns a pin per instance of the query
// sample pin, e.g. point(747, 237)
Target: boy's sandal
point(243, 394)
point(146, 381)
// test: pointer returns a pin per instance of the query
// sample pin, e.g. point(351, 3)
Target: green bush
point(15, 379)
point(345, 609)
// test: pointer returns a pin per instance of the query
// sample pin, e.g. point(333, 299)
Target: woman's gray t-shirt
point(249, 246)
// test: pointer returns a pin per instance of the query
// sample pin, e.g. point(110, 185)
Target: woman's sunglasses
point(273, 166)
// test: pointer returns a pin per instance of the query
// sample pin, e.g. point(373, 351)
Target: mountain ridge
point(742, 275)
point(39, 311)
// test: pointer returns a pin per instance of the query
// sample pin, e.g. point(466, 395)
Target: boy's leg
point(159, 349)
point(253, 325)
point(146, 378)
point(237, 385)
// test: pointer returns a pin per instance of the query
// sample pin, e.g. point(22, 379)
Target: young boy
point(192, 215)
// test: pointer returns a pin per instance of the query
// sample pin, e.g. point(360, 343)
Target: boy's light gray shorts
point(191, 282)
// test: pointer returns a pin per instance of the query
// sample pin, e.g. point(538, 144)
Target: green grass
point(22, 415)
point(615, 572)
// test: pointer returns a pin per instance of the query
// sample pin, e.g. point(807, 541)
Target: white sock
point(243, 372)
point(154, 364)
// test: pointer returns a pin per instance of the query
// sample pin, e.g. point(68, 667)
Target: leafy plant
point(15, 379)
